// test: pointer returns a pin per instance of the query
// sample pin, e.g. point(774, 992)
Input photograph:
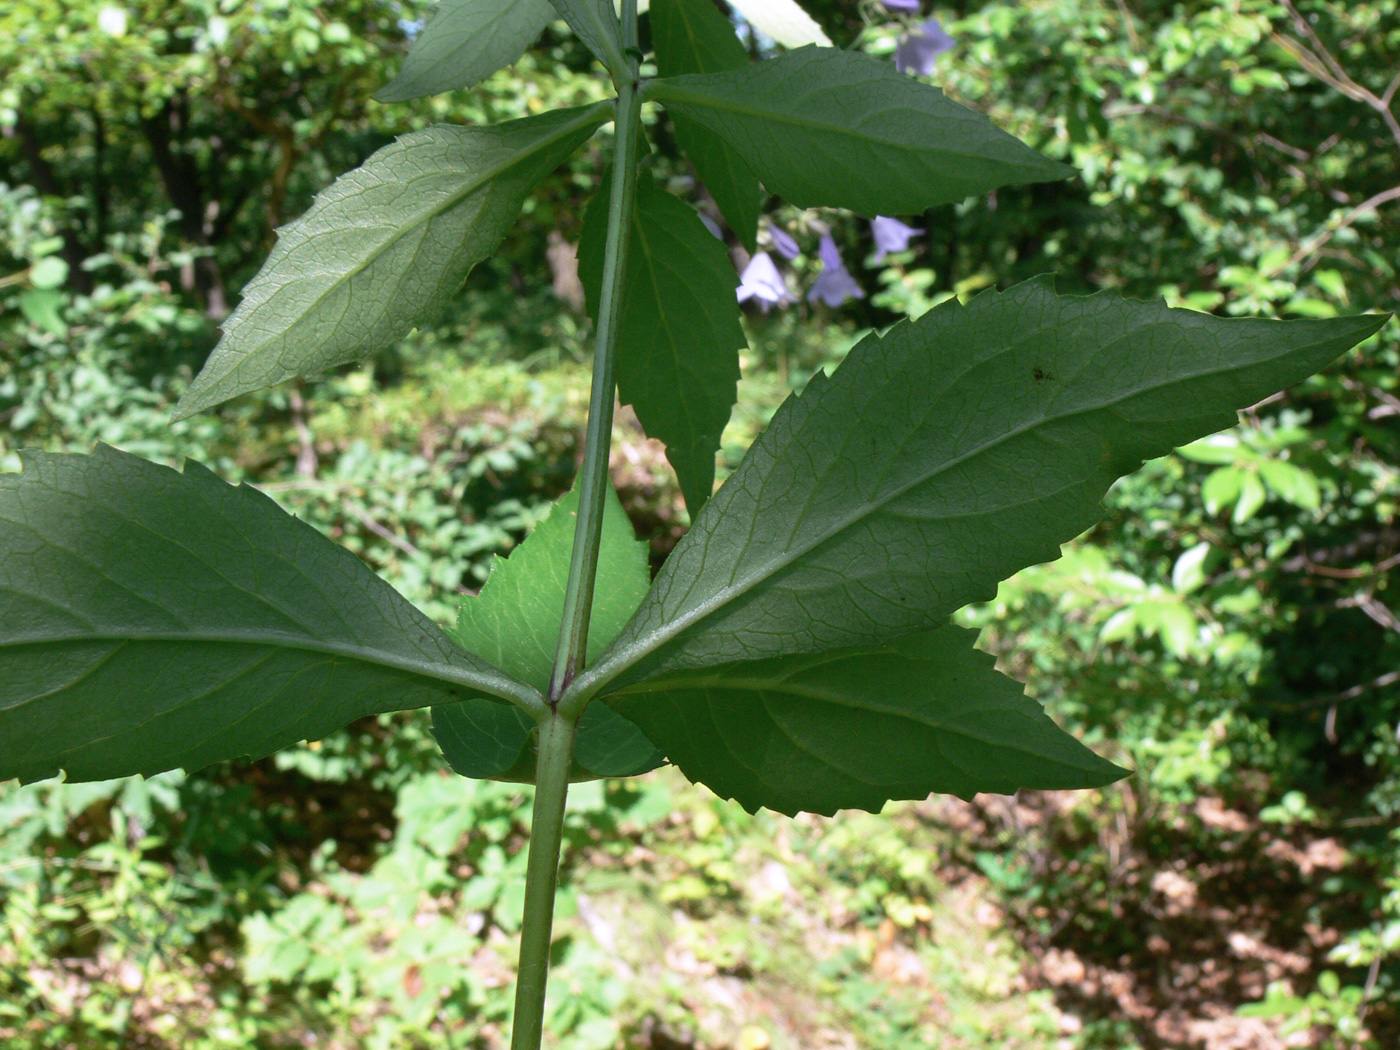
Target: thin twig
point(1352, 574)
point(1317, 242)
point(307, 460)
point(1128, 24)
point(306, 485)
point(1377, 611)
point(1323, 65)
point(1389, 678)
point(1283, 147)
point(1305, 27)
point(379, 530)
point(1380, 395)
point(1331, 700)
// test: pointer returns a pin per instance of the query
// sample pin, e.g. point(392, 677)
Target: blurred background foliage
point(1231, 630)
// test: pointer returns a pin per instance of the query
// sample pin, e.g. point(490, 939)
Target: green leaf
point(1222, 448)
point(48, 245)
point(1121, 626)
point(43, 307)
point(944, 456)
point(597, 25)
point(383, 248)
point(464, 42)
point(1177, 628)
point(491, 741)
point(1189, 572)
point(856, 728)
point(1292, 483)
point(484, 740)
point(824, 127)
point(151, 619)
point(679, 336)
point(514, 623)
point(1252, 497)
point(1221, 487)
point(691, 36)
point(610, 745)
point(48, 272)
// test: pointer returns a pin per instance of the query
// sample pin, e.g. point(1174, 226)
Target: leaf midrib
point(671, 343)
point(666, 92)
point(501, 686)
point(692, 35)
point(605, 671)
point(767, 686)
point(419, 219)
point(177, 541)
point(490, 29)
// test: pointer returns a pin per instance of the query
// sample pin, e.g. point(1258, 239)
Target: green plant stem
point(556, 755)
point(557, 728)
point(593, 475)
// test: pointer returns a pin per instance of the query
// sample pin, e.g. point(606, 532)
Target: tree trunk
point(184, 185)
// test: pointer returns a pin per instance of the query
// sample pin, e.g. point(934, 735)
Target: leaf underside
point(678, 336)
point(383, 249)
point(151, 619)
point(691, 36)
point(942, 457)
point(464, 42)
point(597, 25)
point(829, 128)
point(857, 728)
point(514, 624)
point(486, 740)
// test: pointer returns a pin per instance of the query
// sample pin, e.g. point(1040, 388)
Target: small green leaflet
point(514, 622)
point(942, 457)
point(383, 248)
point(678, 337)
point(490, 741)
point(856, 728)
point(43, 307)
point(597, 25)
point(154, 619)
point(464, 42)
point(691, 36)
point(48, 272)
point(824, 127)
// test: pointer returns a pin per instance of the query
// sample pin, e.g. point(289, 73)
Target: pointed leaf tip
point(679, 336)
point(514, 621)
point(383, 248)
point(691, 36)
point(943, 456)
point(855, 729)
point(824, 127)
point(464, 42)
